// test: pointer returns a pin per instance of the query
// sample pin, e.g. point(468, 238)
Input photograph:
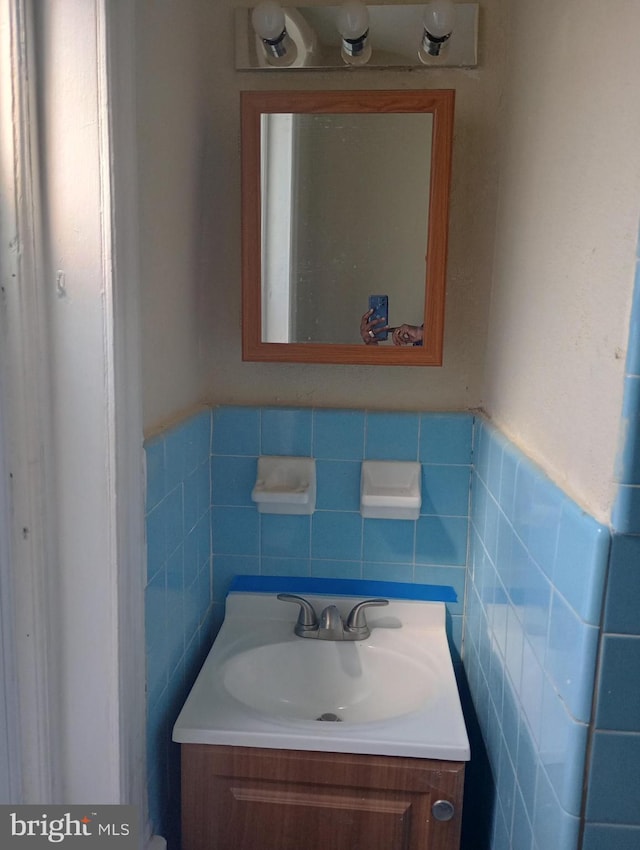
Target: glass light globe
point(353, 19)
point(268, 20)
point(439, 18)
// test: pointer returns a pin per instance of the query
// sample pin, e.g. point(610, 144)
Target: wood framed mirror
point(345, 194)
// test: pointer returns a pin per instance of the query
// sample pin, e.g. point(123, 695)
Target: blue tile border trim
point(342, 587)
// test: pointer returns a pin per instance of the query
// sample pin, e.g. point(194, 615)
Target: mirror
point(344, 195)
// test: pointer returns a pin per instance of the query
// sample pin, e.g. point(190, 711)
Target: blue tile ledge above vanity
point(343, 587)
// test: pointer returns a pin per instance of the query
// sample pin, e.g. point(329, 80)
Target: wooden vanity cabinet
point(241, 798)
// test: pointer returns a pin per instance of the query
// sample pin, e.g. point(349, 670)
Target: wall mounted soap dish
point(285, 485)
point(390, 489)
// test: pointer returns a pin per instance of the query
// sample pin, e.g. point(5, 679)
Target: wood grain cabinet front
point(240, 798)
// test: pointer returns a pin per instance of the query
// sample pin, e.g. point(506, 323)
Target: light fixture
point(268, 21)
point(416, 35)
point(353, 26)
point(439, 21)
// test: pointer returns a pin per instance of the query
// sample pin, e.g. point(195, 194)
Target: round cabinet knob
point(443, 810)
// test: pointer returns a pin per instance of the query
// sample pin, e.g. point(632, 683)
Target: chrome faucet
point(331, 626)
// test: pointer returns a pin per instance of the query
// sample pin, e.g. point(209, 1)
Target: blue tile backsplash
point(527, 564)
point(336, 539)
point(180, 617)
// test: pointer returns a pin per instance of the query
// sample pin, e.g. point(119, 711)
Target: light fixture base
point(356, 51)
point(280, 52)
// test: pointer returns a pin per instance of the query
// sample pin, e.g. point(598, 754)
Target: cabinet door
point(243, 799)
point(249, 814)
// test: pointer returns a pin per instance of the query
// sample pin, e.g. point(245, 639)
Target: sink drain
point(330, 716)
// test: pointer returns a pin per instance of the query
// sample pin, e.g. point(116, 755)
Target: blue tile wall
point(602, 837)
point(613, 791)
point(622, 605)
point(336, 541)
point(179, 616)
point(536, 573)
point(527, 564)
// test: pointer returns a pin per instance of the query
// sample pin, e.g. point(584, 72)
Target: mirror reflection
point(345, 206)
point(345, 196)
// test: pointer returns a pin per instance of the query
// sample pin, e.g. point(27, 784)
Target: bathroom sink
point(313, 679)
point(393, 693)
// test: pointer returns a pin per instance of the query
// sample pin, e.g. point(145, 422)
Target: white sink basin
point(392, 694)
point(316, 679)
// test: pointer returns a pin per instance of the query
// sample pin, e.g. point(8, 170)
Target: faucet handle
point(356, 621)
point(307, 620)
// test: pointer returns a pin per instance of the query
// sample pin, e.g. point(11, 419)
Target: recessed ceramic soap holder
point(390, 489)
point(285, 485)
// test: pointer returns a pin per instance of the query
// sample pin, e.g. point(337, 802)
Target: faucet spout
point(331, 626)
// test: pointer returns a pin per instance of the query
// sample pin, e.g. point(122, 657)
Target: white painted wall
point(173, 108)
point(569, 209)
